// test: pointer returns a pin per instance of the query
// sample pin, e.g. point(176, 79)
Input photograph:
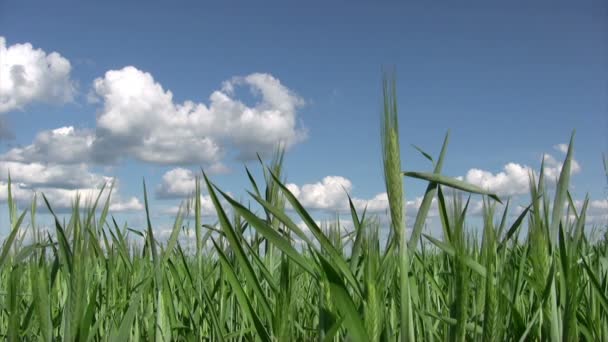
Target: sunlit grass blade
point(344, 302)
point(235, 243)
point(359, 227)
point(561, 192)
point(272, 235)
point(427, 200)
point(393, 180)
point(514, 227)
point(451, 182)
point(248, 311)
point(325, 243)
point(8, 242)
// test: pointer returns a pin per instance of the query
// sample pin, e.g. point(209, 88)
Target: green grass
point(255, 274)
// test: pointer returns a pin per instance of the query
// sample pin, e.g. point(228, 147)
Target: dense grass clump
point(255, 274)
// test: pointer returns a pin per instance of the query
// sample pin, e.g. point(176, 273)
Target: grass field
point(254, 274)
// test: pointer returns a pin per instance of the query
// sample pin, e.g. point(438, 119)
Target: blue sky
point(511, 82)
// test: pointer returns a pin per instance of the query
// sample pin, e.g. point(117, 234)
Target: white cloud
point(60, 184)
point(600, 205)
point(512, 181)
point(64, 145)
point(514, 178)
point(553, 168)
point(178, 182)
point(141, 118)
point(131, 204)
point(63, 199)
point(21, 193)
point(28, 75)
point(328, 194)
point(51, 175)
point(376, 204)
point(563, 148)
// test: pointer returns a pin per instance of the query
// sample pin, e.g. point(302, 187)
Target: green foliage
point(257, 275)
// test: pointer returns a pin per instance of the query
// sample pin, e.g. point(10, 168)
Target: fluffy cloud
point(131, 204)
point(64, 145)
point(176, 183)
point(553, 167)
point(29, 75)
point(63, 199)
point(21, 193)
point(376, 204)
point(51, 175)
point(330, 195)
point(513, 180)
point(140, 118)
point(60, 183)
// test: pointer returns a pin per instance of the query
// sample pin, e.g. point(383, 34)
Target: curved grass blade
point(514, 227)
point(271, 234)
point(452, 183)
point(8, 242)
point(325, 243)
point(467, 260)
point(561, 193)
point(427, 200)
point(242, 298)
point(234, 242)
point(344, 302)
point(426, 155)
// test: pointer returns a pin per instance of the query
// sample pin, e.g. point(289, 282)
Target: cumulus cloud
point(29, 75)
point(553, 167)
point(63, 199)
point(140, 118)
point(20, 192)
point(64, 145)
point(52, 175)
point(61, 184)
point(130, 204)
point(513, 180)
point(330, 195)
point(376, 204)
point(178, 182)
